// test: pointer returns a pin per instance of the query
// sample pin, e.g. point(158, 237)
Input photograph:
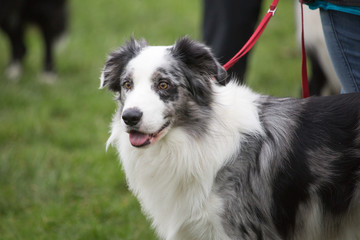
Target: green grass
point(56, 180)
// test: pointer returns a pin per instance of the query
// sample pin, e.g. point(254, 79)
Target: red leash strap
point(304, 76)
point(251, 42)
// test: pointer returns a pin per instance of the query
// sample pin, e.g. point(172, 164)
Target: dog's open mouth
point(139, 139)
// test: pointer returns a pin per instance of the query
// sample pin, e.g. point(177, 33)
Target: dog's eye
point(163, 85)
point(127, 85)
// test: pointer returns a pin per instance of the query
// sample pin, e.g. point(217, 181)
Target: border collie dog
point(51, 18)
point(213, 160)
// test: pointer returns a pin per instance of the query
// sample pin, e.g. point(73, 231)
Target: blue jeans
point(342, 35)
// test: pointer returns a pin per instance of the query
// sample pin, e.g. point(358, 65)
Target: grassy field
point(56, 180)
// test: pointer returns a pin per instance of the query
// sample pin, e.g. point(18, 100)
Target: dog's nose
point(132, 116)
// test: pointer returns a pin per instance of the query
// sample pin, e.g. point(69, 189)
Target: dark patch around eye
point(171, 93)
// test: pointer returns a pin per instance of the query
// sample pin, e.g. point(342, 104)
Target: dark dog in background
point(50, 16)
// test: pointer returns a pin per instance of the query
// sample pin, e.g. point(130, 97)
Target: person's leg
point(227, 25)
point(342, 35)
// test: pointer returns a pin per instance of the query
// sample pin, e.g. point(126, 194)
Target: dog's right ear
point(116, 63)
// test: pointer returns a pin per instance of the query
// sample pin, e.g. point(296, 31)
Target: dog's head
point(162, 87)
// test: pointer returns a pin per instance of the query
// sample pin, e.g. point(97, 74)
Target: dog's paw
point(48, 77)
point(13, 71)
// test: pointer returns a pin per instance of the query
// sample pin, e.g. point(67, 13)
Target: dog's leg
point(51, 31)
point(48, 75)
point(318, 79)
point(15, 31)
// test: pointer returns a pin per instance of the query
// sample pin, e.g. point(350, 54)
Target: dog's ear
point(199, 59)
point(117, 61)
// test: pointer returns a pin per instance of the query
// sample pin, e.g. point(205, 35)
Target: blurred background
point(56, 179)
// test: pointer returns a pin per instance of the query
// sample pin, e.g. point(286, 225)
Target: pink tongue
point(138, 139)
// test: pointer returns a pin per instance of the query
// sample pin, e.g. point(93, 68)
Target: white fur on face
point(143, 95)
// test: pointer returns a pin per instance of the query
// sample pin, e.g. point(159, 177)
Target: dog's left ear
point(199, 58)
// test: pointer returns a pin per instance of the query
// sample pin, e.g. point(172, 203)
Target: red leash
point(259, 30)
point(304, 76)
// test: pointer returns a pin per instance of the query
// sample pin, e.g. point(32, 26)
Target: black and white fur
point(208, 161)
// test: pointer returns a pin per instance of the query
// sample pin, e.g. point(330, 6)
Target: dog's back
point(301, 180)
